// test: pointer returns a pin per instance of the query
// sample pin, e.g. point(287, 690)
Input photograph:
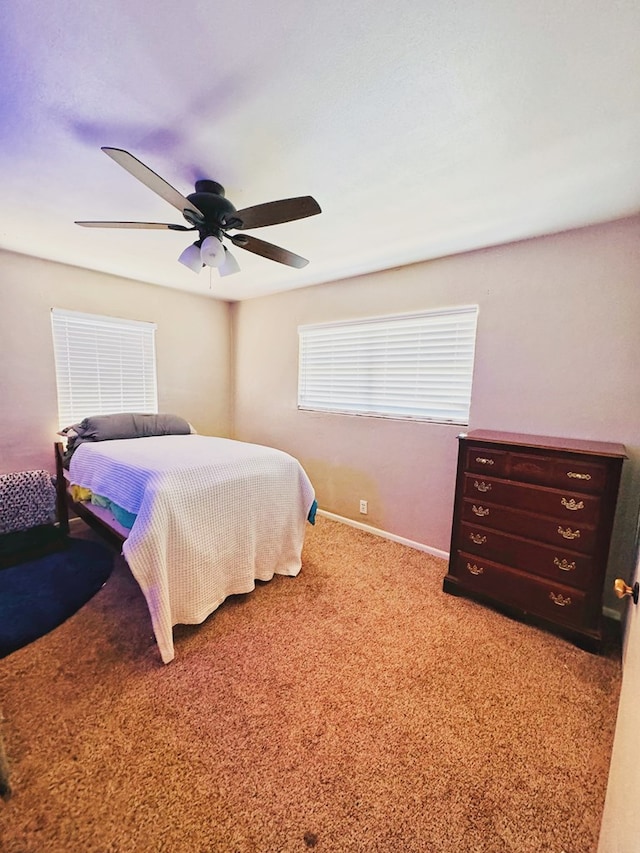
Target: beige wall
point(556, 355)
point(192, 344)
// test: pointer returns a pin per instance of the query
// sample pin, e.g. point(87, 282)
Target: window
point(405, 366)
point(103, 365)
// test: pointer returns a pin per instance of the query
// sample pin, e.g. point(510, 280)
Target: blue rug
point(38, 596)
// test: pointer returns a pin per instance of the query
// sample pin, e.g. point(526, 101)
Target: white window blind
point(104, 365)
point(405, 366)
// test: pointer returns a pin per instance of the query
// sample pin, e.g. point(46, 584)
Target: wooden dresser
point(532, 525)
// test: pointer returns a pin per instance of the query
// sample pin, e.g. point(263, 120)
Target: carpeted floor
point(353, 708)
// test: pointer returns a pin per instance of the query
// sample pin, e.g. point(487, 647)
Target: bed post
point(61, 491)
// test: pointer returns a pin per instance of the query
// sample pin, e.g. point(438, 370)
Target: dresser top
point(545, 442)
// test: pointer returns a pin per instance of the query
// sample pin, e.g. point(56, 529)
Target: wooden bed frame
point(98, 518)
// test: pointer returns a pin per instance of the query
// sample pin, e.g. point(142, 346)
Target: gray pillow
point(130, 425)
point(121, 425)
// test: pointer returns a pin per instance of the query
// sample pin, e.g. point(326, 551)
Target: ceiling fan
point(212, 215)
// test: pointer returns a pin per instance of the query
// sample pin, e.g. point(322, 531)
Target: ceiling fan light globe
point(212, 252)
point(229, 266)
point(191, 258)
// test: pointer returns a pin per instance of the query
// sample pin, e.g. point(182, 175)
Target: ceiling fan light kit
point(229, 266)
point(212, 215)
point(212, 252)
point(191, 258)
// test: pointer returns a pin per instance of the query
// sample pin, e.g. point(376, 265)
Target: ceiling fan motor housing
point(217, 210)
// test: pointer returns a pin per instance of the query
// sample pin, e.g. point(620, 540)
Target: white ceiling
point(422, 127)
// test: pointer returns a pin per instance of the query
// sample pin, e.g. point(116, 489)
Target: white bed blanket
point(213, 515)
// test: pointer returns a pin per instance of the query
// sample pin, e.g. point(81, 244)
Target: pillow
point(69, 432)
point(130, 425)
point(121, 425)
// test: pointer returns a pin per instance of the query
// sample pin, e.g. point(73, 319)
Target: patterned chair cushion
point(27, 499)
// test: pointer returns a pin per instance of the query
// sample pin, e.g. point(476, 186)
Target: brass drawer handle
point(482, 460)
point(482, 486)
point(479, 510)
point(564, 565)
point(475, 570)
point(477, 538)
point(568, 533)
point(560, 600)
point(576, 476)
point(571, 503)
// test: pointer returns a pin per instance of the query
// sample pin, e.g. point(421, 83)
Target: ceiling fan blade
point(148, 177)
point(267, 250)
point(275, 212)
point(157, 225)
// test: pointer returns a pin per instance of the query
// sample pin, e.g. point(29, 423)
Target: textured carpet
point(37, 596)
point(353, 708)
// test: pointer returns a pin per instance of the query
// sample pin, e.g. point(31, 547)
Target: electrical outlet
point(364, 507)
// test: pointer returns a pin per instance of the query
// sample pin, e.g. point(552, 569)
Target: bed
point(198, 518)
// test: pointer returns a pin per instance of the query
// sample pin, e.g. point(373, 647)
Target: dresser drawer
point(545, 598)
point(578, 537)
point(576, 507)
point(563, 566)
point(486, 460)
point(574, 473)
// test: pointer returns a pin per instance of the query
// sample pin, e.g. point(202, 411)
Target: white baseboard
point(418, 546)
